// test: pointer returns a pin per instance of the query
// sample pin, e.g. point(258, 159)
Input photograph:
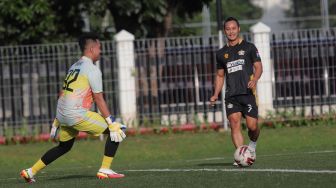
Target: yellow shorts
point(92, 123)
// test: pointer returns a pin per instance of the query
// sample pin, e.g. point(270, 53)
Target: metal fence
point(31, 77)
point(304, 70)
point(174, 77)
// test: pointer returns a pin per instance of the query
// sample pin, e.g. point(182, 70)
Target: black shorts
point(246, 104)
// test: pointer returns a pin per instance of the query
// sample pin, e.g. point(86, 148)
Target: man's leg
point(96, 125)
point(235, 124)
point(251, 114)
point(236, 134)
point(57, 151)
point(47, 158)
point(253, 131)
point(109, 153)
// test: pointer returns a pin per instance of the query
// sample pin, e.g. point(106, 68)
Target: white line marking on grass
point(271, 155)
point(198, 170)
point(210, 170)
point(206, 159)
point(237, 170)
point(302, 153)
point(325, 151)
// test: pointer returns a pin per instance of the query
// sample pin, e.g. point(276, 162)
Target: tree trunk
point(167, 23)
point(123, 21)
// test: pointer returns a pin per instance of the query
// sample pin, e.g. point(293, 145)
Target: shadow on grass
point(215, 164)
point(65, 177)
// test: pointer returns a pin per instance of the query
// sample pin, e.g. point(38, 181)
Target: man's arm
point(258, 69)
point(101, 104)
point(219, 82)
point(116, 134)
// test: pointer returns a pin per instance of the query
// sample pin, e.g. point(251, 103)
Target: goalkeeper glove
point(116, 130)
point(54, 129)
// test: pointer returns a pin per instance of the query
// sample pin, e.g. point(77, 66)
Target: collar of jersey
point(240, 41)
point(86, 59)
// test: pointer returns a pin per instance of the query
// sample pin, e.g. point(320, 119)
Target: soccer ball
point(244, 157)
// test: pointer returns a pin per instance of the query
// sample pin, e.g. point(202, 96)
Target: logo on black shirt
point(241, 52)
point(234, 66)
point(226, 56)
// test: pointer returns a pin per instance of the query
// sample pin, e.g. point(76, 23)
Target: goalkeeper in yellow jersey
point(82, 86)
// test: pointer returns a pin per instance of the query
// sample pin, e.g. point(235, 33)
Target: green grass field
point(286, 157)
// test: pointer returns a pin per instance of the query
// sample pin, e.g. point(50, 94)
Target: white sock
point(253, 145)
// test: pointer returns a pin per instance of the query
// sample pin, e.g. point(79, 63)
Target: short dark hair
point(85, 38)
point(231, 19)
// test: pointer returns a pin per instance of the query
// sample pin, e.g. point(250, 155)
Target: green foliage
point(327, 119)
point(150, 18)
point(24, 129)
point(290, 118)
point(197, 120)
point(8, 131)
point(36, 130)
point(150, 123)
point(41, 21)
point(25, 21)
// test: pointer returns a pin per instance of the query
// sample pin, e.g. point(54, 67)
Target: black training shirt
point(237, 62)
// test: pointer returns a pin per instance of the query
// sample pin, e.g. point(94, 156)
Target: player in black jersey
point(240, 64)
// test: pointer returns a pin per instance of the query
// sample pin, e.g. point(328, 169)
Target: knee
point(234, 123)
point(63, 149)
point(65, 146)
point(253, 128)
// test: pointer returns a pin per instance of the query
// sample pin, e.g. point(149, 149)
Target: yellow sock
point(107, 161)
point(38, 166)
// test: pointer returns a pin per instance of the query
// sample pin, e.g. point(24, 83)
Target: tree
point(25, 21)
point(68, 19)
point(41, 21)
point(149, 18)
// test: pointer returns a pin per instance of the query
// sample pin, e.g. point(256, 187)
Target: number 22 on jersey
point(70, 78)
